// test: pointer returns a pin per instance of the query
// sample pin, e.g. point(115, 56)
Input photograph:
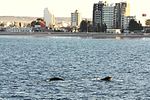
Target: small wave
point(68, 37)
point(146, 39)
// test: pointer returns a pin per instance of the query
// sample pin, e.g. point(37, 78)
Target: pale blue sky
point(62, 8)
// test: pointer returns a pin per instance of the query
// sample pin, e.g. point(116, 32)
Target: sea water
point(26, 63)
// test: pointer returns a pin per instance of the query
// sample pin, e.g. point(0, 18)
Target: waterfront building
point(108, 16)
point(49, 18)
point(98, 13)
point(120, 11)
point(112, 15)
point(75, 19)
point(21, 29)
point(127, 20)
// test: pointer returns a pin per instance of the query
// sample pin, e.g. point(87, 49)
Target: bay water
point(27, 62)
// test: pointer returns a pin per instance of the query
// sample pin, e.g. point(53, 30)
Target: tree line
point(135, 26)
point(86, 26)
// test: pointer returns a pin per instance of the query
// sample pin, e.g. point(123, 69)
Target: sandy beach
point(77, 34)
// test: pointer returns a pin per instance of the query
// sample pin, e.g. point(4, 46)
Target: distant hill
point(29, 19)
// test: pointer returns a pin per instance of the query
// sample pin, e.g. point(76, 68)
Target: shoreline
point(77, 34)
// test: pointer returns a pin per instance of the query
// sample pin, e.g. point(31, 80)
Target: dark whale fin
point(108, 78)
point(56, 79)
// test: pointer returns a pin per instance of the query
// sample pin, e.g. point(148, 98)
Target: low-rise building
point(15, 29)
point(127, 21)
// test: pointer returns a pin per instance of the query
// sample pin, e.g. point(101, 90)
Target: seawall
point(77, 34)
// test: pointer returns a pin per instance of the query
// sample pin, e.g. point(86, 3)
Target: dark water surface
point(27, 62)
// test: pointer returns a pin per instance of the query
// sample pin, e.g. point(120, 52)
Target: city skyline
point(63, 8)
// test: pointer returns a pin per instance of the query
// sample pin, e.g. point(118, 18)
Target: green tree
point(19, 24)
point(89, 26)
point(84, 26)
point(147, 22)
point(98, 28)
point(104, 27)
point(133, 25)
point(140, 27)
point(39, 19)
point(33, 23)
point(101, 27)
point(2, 24)
point(28, 25)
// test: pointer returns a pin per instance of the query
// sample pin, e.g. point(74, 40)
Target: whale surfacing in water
point(56, 79)
point(108, 78)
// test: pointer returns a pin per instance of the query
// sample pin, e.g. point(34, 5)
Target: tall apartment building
point(108, 16)
point(120, 11)
point(75, 19)
point(49, 18)
point(98, 13)
point(111, 15)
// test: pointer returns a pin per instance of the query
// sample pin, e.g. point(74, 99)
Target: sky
point(63, 8)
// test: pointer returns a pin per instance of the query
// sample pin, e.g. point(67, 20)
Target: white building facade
point(113, 15)
point(75, 19)
point(49, 18)
point(127, 20)
point(108, 16)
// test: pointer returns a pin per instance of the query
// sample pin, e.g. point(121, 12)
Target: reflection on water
point(27, 62)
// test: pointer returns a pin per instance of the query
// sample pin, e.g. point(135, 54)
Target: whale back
point(56, 79)
point(108, 78)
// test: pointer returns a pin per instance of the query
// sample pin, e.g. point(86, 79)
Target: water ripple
point(27, 62)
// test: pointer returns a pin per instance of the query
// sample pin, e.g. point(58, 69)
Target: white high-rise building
point(75, 19)
point(98, 13)
point(108, 16)
point(49, 18)
point(112, 15)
